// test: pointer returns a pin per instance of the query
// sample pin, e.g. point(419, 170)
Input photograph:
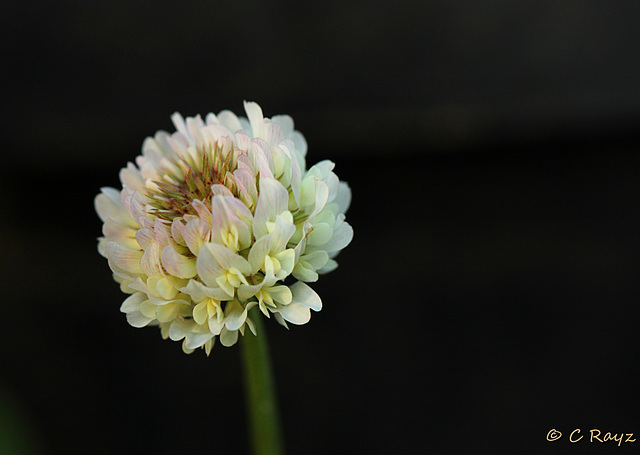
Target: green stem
point(262, 406)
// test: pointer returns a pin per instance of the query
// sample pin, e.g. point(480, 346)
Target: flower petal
point(235, 315)
point(295, 313)
point(272, 201)
point(228, 338)
point(342, 235)
point(124, 258)
point(177, 264)
point(304, 295)
point(207, 266)
point(256, 118)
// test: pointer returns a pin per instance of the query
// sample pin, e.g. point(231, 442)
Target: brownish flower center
point(176, 191)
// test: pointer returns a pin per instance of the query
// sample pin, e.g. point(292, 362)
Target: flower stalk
point(262, 407)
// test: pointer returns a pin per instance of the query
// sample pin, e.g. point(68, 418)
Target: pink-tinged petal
point(124, 258)
point(220, 190)
point(262, 161)
point(125, 197)
point(304, 295)
point(194, 126)
point(246, 182)
point(261, 148)
point(109, 206)
point(295, 313)
point(202, 210)
point(145, 237)
point(236, 207)
point(151, 150)
point(131, 177)
point(179, 123)
point(177, 229)
point(124, 235)
point(230, 120)
point(285, 122)
point(244, 162)
point(229, 213)
point(150, 261)
point(177, 264)
point(138, 212)
point(272, 132)
point(161, 231)
point(242, 139)
point(195, 233)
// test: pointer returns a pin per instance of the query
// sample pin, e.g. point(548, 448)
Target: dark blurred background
point(490, 293)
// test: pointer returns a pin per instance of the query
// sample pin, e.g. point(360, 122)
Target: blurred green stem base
point(262, 407)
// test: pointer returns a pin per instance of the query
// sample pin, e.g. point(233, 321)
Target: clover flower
point(219, 217)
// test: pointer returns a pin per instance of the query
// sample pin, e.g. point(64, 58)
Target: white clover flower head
point(213, 218)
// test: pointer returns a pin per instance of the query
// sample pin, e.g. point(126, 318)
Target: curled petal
point(109, 207)
point(177, 264)
point(199, 291)
point(195, 233)
point(304, 295)
point(228, 337)
point(124, 258)
point(295, 313)
point(342, 235)
point(235, 315)
point(150, 261)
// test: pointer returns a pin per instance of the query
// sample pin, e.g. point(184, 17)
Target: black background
point(490, 293)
